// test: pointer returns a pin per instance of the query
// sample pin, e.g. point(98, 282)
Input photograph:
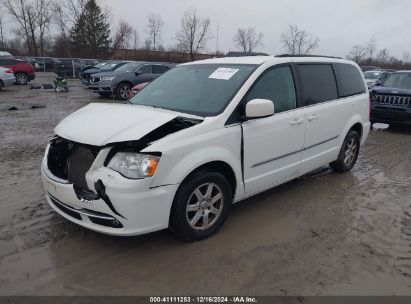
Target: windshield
point(111, 66)
point(129, 67)
point(100, 65)
point(372, 75)
point(200, 89)
point(399, 81)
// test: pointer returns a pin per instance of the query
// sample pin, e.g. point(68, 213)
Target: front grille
point(71, 161)
point(394, 100)
point(80, 161)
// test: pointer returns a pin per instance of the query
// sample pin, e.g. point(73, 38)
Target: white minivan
point(201, 137)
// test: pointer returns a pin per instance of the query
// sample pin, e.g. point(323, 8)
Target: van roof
point(258, 60)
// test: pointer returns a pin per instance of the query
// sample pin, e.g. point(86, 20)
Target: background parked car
point(120, 82)
point(391, 101)
point(137, 89)
point(22, 69)
point(101, 67)
point(7, 77)
point(366, 68)
point(376, 76)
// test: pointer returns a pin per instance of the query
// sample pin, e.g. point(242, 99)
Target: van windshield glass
point(199, 89)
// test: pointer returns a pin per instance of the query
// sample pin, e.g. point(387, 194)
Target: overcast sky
point(339, 24)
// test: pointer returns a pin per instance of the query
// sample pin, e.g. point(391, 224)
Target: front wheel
point(22, 79)
point(201, 206)
point(348, 154)
point(123, 91)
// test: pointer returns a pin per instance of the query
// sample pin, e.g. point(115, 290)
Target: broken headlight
point(134, 165)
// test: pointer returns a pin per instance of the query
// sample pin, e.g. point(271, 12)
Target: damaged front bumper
point(122, 207)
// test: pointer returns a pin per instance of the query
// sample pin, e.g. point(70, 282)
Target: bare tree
point(135, 39)
point(24, 12)
point(154, 27)
point(45, 11)
point(298, 42)
point(73, 10)
point(148, 44)
point(357, 53)
point(248, 39)
point(406, 57)
point(371, 49)
point(2, 41)
point(383, 56)
point(193, 34)
point(122, 35)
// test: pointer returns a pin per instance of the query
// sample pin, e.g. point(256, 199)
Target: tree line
point(82, 28)
point(368, 54)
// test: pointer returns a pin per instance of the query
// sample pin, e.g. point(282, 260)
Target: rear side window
point(349, 79)
point(317, 83)
point(160, 69)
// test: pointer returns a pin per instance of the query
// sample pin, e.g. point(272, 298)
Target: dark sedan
point(108, 66)
point(120, 82)
point(391, 100)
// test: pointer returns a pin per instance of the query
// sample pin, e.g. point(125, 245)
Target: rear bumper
point(391, 114)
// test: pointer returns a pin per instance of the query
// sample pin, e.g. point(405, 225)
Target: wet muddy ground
point(323, 234)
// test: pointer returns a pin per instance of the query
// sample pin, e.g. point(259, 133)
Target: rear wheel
point(348, 154)
point(22, 79)
point(201, 206)
point(123, 91)
point(1, 85)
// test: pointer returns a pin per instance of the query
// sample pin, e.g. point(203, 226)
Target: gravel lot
point(322, 234)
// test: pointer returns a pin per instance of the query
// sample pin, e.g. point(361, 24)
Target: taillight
point(8, 71)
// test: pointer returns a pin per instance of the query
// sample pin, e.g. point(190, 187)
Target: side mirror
point(378, 83)
point(138, 73)
point(258, 108)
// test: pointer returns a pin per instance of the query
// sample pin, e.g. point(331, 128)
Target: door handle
point(313, 117)
point(296, 122)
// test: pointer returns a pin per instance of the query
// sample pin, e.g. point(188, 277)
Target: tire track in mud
point(383, 219)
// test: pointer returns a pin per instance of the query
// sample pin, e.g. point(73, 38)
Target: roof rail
point(320, 56)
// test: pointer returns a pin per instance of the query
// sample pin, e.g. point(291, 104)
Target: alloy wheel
point(350, 152)
point(204, 206)
point(124, 92)
point(21, 79)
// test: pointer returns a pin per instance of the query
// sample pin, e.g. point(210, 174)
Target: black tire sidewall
point(26, 77)
point(119, 88)
point(178, 219)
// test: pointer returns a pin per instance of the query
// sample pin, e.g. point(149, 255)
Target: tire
point(197, 215)
point(123, 91)
point(22, 79)
point(1, 85)
point(348, 154)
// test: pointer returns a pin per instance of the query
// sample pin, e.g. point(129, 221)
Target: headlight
point(107, 78)
point(134, 165)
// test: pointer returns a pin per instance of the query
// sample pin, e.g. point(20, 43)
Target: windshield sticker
point(223, 73)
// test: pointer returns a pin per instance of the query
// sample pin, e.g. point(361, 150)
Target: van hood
point(101, 124)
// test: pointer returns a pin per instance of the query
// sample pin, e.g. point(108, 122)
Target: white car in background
point(201, 137)
point(7, 77)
